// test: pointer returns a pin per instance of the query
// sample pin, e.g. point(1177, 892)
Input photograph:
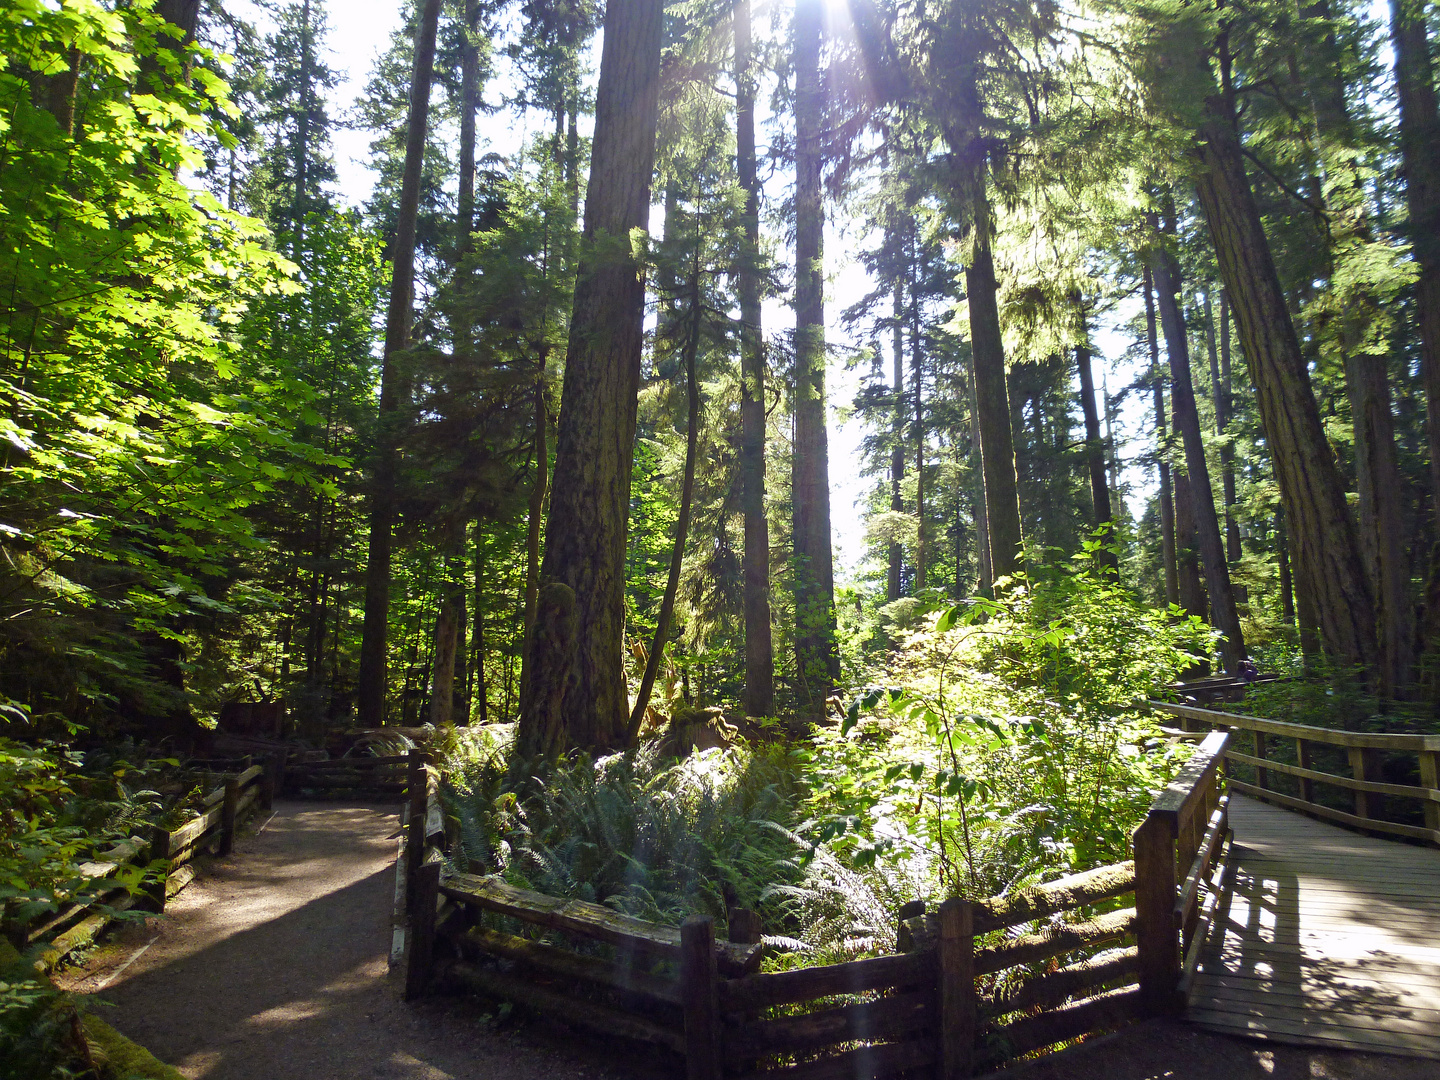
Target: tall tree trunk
point(997, 446)
point(759, 649)
point(917, 360)
point(682, 524)
point(897, 453)
point(1233, 550)
point(534, 523)
point(577, 655)
point(1094, 445)
point(394, 386)
point(469, 106)
point(982, 525)
point(814, 567)
point(1162, 443)
point(1327, 550)
point(1420, 165)
point(1282, 558)
point(1187, 421)
point(1187, 557)
point(442, 679)
point(481, 695)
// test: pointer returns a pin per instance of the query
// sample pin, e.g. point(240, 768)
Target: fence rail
point(79, 924)
point(971, 984)
point(1363, 750)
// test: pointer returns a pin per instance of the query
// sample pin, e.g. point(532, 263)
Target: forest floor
point(274, 964)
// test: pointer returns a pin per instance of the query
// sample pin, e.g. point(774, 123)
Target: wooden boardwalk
point(1330, 938)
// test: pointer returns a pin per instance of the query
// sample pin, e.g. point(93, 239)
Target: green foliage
point(654, 839)
point(137, 432)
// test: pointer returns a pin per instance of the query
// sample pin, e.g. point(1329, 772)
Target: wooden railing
point(1181, 863)
point(79, 924)
point(359, 776)
point(1362, 749)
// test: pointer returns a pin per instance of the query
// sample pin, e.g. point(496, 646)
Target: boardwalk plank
point(1329, 938)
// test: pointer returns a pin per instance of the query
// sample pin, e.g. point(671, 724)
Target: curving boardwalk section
point(1329, 938)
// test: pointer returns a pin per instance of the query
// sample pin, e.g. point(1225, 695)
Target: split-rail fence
point(971, 984)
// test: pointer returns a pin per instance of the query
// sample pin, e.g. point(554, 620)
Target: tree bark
point(1187, 558)
point(682, 524)
point(997, 445)
point(1287, 585)
point(817, 662)
point(442, 679)
point(469, 105)
point(1420, 165)
point(1223, 404)
point(578, 662)
point(1327, 551)
point(1094, 445)
point(393, 384)
point(1162, 443)
point(1166, 274)
point(534, 523)
point(481, 695)
point(759, 649)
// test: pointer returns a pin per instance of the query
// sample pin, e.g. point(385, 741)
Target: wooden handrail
point(1349, 739)
point(1179, 799)
point(1361, 747)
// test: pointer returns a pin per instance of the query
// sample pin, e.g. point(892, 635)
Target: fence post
point(421, 954)
point(1364, 767)
point(743, 926)
point(228, 811)
point(904, 939)
point(267, 784)
point(956, 956)
point(1430, 777)
point(160, 849)
point(417, 788)
point(1262, 774)
point(1155, 931)
point(700, 998)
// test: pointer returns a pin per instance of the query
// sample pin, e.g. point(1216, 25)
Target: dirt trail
point(274, 965)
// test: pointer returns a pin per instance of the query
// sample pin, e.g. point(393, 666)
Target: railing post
point(267, 784)
point(417, 787)
point(1262, 775)
point(1430, 778)
point(956, 956)
point(904, 939)
point(1155, 931)
point(1302, 755)
point(1363, 767)
point(421, 954)
point(743, 926)
point(229, 809)
point(160, 849)
point(700, 998)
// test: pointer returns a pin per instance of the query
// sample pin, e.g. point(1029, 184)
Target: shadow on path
point(274, 965)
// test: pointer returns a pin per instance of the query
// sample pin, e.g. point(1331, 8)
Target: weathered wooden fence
point(1364, 752)
point(972, 984)
point(79, 924)
point(353, 777)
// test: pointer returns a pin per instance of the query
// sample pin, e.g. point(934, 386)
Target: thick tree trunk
point(579, 696)
point(759, 649)
point(442, 679)
point(393, 384)
point(1187, 556)
point(997, 446)
point(1328, 553)
point(1233, 550)
point(1162, 444)
point(469, 105)
point(536, 518)
point(1420, 165)
point(682, 524)
point(1166, 274)
point(814, 567)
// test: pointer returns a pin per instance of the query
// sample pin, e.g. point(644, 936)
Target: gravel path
point(273, 965)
